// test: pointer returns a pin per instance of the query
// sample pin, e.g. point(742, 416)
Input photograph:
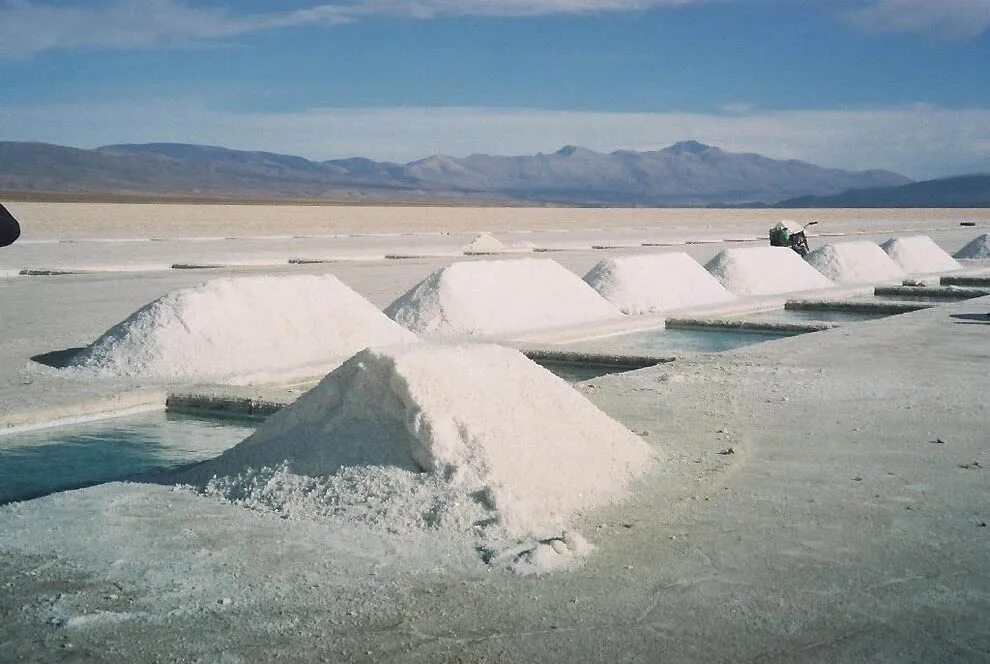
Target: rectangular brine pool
point(41, 462)
point(812, 315)
point(671, 340)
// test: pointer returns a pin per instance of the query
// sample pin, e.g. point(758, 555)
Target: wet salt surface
point(816, 315)
point(57, 459)
point(936, 299)
point(668, 340)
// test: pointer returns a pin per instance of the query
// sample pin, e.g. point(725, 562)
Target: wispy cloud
point(949, 19)
point(918, 141)
point(28, 27)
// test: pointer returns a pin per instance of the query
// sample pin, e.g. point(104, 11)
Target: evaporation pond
point(41, 462)
point(813, 315)
point(575, 372)
point(651, 342)
point(909, 297)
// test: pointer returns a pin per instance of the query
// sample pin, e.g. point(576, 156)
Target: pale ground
point(44, 221)
point(837, 531)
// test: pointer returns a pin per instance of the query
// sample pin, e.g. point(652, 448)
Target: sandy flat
point(838, 529)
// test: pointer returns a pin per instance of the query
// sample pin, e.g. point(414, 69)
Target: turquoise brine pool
point(653, 342)
point(42, 462)
point(574, 372)
point(812, 315)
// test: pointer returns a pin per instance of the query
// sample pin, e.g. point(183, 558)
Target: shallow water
point(575, 373)
point(60, 458)
point(817, 315)
point(935, 299)
point(652, 342)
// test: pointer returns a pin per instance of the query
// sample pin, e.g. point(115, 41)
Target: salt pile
point(493, 438)
point(859, 262)
point(485, 243)
point(919, 254)
point(496, 297)
point(655, 282)
point(764, 271)
point(977, 248)
point(237, 326)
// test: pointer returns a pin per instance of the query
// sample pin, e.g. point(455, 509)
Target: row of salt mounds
point(978, 247)
point(765, 271)
point(238, 326)
point(503, 436)
point(486, 243)
point(655, 282)
point(496, 297)
point(919, 254)
point(859, 262)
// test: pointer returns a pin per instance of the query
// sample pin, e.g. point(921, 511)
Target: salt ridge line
point(856, 262)
point(237, 326)
point(497, 439)
point(484, 298)
point(651, 283)
point(977, 248)
point(919, 254)
point(765, 271)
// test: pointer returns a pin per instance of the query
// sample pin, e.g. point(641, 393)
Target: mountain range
point(959, 192)
point(685, 174)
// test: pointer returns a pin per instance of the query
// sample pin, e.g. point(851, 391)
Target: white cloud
point(918, 141)
point(950, 19)
point(29, 26)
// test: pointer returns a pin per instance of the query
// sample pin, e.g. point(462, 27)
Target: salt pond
point(40, 462)
point(651, 342)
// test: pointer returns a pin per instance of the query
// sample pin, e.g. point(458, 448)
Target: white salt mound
point(485, 243)
point(919, 254)
point(496, 297)
point(236, 326)
point(655, 282)
point(482, 419)
point(859, 262)
point(764, 271)
point(978, 247)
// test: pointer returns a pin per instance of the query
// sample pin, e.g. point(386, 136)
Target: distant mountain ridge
point(954, 192)
point(686, 174)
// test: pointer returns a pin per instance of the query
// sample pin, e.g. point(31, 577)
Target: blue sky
point(900, 84)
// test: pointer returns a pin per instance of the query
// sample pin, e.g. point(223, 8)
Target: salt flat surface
point(858, 262)
point(45, 314)
point(649, 283)
point(764, 271)
point(486, 298)
point(837, 529)
point(109, 220)
point(805, 526)
point(243, 325)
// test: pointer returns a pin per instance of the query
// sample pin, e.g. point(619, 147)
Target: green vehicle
point(781, 236)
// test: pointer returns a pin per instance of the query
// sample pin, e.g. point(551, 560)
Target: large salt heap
point(497, 297)
point(239, 326)
point(977, 248)
point(859, 262)
point(764, 271)
point(919, 254)
point(487, 421)
point(655, 282)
